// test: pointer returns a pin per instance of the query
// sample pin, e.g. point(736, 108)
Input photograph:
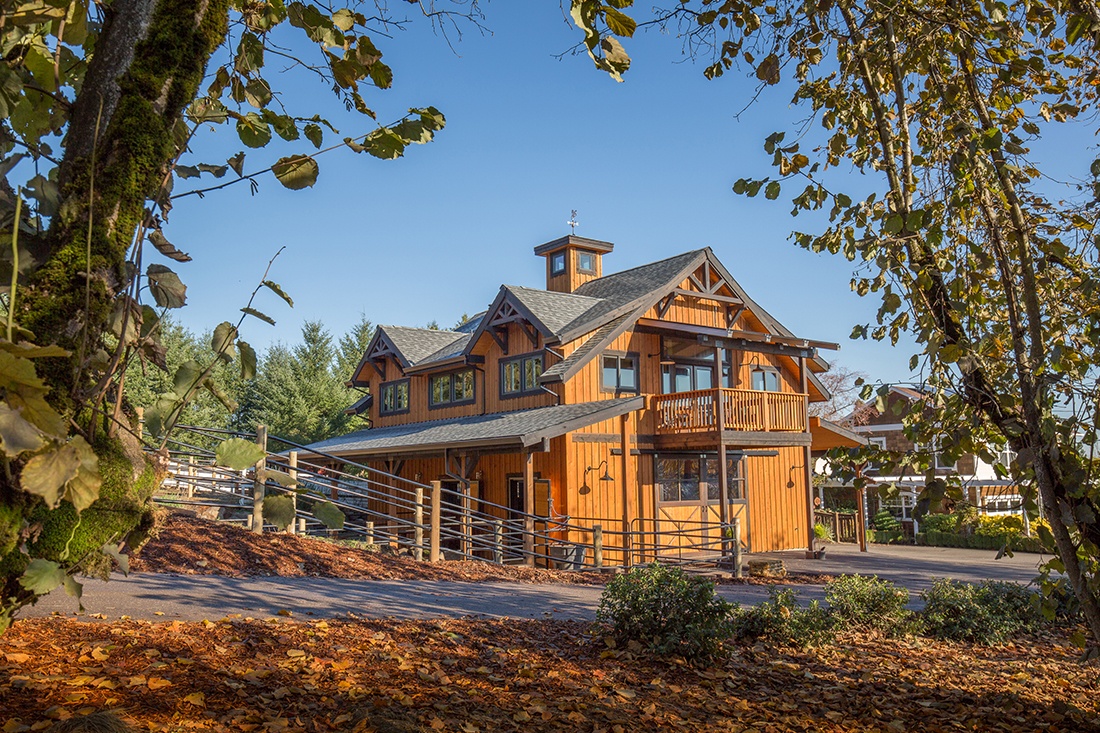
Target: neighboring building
point(981, 485)
point(605, 400)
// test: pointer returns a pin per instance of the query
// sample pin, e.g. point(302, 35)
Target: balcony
point(745, 410)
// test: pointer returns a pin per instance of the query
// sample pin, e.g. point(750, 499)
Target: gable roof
point(501, 430)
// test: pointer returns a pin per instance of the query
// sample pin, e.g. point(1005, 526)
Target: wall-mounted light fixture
point(790, 475)
point(417, 476)
point(477, 475)
point(606, 473)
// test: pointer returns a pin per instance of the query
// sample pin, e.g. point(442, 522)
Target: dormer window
point(765, 380)
point(586, 263)
point(557, 263)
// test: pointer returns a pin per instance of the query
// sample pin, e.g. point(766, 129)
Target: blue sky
point(648, 164)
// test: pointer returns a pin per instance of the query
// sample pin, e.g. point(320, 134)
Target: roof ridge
point(649, 264)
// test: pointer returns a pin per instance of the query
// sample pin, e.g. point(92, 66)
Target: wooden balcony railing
point(746, 409)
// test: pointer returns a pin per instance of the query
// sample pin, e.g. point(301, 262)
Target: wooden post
point(475, 502)
point(302, 525)
point(836, 526)
point(190, 477)
point(624, 443)
point(723, 473)
point(861, 525)
point(498, 542)
point(529, 510)
point(467, 521)
point(258, 482)
point(140, 421)
point(597, 545)
point(368, 532)
point(292, 470)
point(433, 534)
point(418, 521)
point(737, 571)
point(806, 460)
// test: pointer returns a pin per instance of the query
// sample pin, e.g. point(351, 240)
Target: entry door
point(451, 515)
point(513, 533)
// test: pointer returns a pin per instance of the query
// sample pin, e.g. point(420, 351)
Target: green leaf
point(42, 576)
point(115, 552)
point(220, 395)
point(893, 224)
point(257, 314)
point(186, 378)
point(329, 515)
point(225, 333)
point(166, 248)
point(620, 23)
point(282, 478)
point(250, 54)
point(83, 489)
point(208, 110)
point(238, 454)
point(383, 143)
point(771, 192)
point(314, 134)
point(248, 359)
point(279, 510)
point(253, 131)
point(296, 172)
point(47, 473)
point(257, 93)
point(167, 289)
point(237, 163)
point(17, 434)
point(1076, 27)
point(274, 287)
point(343, 19)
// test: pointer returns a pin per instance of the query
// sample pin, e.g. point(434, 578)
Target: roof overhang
point(827, 435)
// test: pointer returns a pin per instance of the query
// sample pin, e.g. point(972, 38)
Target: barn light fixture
point(606, 473)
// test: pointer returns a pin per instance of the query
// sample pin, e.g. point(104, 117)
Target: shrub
point(781, 621)
point(885, 522)
point(1008, 525)
point(668, 612)
point(866, 602)
point(989, 612)
point(823, 532)
point(940, 523)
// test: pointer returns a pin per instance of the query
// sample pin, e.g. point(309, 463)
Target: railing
point(843, 525)
point(745, 409)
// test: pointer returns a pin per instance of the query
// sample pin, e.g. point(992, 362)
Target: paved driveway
point(163, 597)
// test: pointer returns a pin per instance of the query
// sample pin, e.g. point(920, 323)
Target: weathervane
point(573, 221)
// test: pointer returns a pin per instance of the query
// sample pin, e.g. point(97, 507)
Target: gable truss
point(709, 282)
point(507, 314)
point(378, 354)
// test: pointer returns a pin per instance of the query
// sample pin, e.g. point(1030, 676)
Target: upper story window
point(939, 460)
point(619, 373)
point(586, 263)
point(395, 397)
point(693, 366)
point(451, 389)
point(520, 375)
point(765, 379)
point(557, 263)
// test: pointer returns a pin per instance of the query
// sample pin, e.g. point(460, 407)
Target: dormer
point(571, 261)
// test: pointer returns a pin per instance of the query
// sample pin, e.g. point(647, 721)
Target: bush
point(824, 533)
point(1007, 525)
point(780, 620)
point(667, 612)
point(866, 602)
point(884, 521)
point(989, 612)
point(940, 523)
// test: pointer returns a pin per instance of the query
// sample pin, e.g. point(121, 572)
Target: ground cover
point(478, 675)
point(192, 546)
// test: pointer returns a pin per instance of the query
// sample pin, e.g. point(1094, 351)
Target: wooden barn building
point(634, 401)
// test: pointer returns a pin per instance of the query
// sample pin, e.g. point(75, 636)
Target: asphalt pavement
point(164, 597)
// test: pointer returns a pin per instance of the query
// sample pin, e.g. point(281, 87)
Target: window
point(451, 389)
point(901, 506)
point(557, 263)
point(395, 398)
point(939, 461)
point(1005, 457)
point(693, 368)
point(586, 263)
point(880, 443)
point(520, 376)
point(680, 479)
point(619, 373)
point(765, 380)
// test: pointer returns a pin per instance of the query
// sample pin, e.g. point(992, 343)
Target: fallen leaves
point(479, 675)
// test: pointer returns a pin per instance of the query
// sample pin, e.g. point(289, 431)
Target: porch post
point(807, 458)
point(861, 525)
point(624, 441)
point(529, 509)
point(723, 474)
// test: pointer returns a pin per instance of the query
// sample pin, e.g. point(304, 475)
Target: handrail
point(744, 409)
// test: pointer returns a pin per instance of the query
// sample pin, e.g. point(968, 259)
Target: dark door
point(513, 532)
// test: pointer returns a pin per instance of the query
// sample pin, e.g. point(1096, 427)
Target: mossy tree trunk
point(149, 61)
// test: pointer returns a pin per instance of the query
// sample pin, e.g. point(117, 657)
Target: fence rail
point(429, 521)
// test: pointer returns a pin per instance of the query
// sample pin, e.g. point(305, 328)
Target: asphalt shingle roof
point(555, 310)
point(418, 344)
point(522, 428)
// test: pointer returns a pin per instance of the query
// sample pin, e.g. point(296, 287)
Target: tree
point(844, 386)
point(937, 106)
point(101, 102)
point(299, 392)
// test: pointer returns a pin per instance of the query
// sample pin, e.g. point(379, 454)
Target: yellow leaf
point(521, 717)
point(17, 657)
point(196, 698)
point(295, 653)
point(628, 694)
point(156, 683)
point(99, 654)
point(341, 665)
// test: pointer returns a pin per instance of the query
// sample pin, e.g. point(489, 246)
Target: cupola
point(571, 261)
